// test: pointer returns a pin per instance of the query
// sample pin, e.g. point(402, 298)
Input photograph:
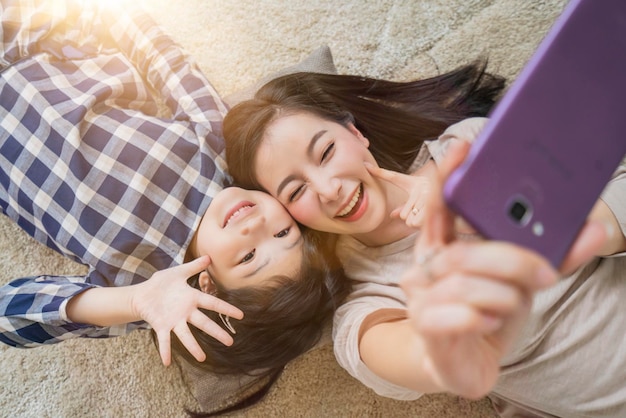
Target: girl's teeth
point(234, 215)
point(350, 206)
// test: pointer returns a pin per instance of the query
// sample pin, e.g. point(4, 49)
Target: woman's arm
point(393, 351)
point(468, 301)
point(466, 306)
point(465, 309)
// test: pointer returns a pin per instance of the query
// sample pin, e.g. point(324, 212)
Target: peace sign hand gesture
point(416, 186)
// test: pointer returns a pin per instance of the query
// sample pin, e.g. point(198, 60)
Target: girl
point(93, 168)
point(310, 139)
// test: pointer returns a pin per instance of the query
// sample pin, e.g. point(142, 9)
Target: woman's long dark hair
point(396, 117)
point(281, 321)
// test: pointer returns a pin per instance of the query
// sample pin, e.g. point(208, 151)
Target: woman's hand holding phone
point(468, 300)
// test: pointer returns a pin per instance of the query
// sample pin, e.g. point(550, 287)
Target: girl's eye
point(327, 151)
point(283, 233)
point(247, 257)
point(293, 196)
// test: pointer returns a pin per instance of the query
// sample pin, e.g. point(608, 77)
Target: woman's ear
point(358, 134)
point(206, 284)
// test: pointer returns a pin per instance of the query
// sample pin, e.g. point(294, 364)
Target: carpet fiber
point(235, 43)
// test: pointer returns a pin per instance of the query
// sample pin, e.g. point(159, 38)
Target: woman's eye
point(327, 151)
point(293, 196)
point(247, 257)
point(283, 233)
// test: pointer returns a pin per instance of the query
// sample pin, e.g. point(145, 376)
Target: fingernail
point(610, 230)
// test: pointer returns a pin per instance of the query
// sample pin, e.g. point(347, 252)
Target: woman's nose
point(328, 190)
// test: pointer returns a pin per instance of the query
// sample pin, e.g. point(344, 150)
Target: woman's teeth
point(350, 206)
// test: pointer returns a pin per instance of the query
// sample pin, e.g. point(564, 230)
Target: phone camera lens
point(519, 211)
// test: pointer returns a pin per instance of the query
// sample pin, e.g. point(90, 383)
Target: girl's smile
point(249, 236)
point(238, 211)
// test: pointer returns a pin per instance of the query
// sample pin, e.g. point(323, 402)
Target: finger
point(163, 337)
point(187, 339)
point(195, 266)
point(415, 279)
point(438, 225)
point(589, 241)
point(462, 227)
point(484, 294)
point(504, 261)
point(443, 320)
point(206, 325)
point(215, 304)
point(407, 210)
point(415, 220)
point(396, 213)
point(404, 181)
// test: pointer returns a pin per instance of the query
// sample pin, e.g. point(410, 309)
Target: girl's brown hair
point(281, 321)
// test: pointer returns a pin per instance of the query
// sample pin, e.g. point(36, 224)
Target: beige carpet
point(236, 42)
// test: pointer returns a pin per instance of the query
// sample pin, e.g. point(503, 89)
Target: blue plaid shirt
point(110, 153)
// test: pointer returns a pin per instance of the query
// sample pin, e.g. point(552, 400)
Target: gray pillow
point(319, 61)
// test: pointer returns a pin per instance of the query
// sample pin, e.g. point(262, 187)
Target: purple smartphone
point(554, 139)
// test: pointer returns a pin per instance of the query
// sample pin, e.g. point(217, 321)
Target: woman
point(310, 139)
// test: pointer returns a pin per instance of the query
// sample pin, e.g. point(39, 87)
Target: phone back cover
point(556, 136)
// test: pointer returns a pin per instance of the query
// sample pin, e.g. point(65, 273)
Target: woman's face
point(315, 168)
point(250, 237)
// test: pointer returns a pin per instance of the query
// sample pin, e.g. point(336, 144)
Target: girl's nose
point(253, 224)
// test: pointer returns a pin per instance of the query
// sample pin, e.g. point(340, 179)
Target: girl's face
point(250, 237)
point(315, 168)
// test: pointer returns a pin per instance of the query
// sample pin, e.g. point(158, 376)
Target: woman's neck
point(392, 231)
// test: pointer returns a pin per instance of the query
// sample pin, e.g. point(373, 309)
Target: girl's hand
point(416, 186)
point(468, 301)
point(168, 304)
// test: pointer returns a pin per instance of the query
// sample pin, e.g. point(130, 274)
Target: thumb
point(438, 226)
point(404, 181)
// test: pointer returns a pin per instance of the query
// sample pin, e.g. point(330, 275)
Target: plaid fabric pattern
point(110, 153)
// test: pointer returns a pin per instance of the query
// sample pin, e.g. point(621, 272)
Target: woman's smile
point(356, 206)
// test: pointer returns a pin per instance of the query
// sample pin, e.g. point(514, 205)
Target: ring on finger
point(414, 210)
